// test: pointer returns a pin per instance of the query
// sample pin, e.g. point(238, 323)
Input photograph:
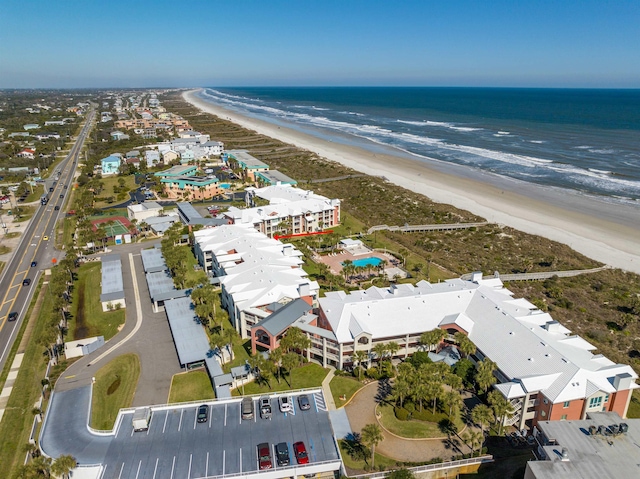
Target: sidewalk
point(326, 390)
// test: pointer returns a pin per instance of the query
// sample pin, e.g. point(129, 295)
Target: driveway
point(361, 411)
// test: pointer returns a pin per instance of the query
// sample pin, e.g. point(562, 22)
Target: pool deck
point(335, 260)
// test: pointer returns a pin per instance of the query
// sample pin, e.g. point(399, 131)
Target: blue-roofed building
point(273, 177)
point(110, 165)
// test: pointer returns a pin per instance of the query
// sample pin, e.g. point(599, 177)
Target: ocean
point(587, 141)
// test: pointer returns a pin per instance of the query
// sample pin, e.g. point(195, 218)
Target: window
point(566, 404)
point(563, 417)
point(595, 402)
point(606, 398)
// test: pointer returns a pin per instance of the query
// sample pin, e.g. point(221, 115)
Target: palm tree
point(502, 408)
point(453, 400)
point(432, 338)
point(359, 356)
point(276, 358)
point(381, 350)
point(290, 361)
point(465, 344)
point(484, 374)
point(401, 389)
point(473, 438)
point(371, 435)
point(64, 465)
point(482, 415)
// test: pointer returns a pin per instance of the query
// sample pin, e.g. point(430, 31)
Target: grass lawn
point(4, 249)
point(634, 405)
point(88, 319)
point(191, 386)
point(109, 213)
point(343, 386)
point(38, 191)
point(113, 390)
point(359, 465)
point(13, 234)
point(107, 191)
point(17, 420)
point(194, 276)
point(412, 429)
point(308, 376)
point(26, 212)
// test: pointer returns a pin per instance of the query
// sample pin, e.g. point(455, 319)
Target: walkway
point(361, 411)
point(542, 275)
point(417, 228)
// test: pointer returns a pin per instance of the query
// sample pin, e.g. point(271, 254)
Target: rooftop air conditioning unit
point(615, 429)
point(593, 430)
point(624, 427)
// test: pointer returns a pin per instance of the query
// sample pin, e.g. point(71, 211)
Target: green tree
point(484, 374)
point(401, 474)
point(482, 415)
point(289, 362)
point(432, 338)
point(63, 466)
point(358, 357)
point(371, 435)
point(453, 401)
point(502, 408)
point(465, 344)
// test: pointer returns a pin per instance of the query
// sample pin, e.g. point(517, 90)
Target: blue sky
point(80, 43)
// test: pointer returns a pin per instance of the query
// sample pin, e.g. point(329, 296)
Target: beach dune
point(604, 232)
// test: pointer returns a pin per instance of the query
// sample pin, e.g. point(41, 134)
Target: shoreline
point(602, 233)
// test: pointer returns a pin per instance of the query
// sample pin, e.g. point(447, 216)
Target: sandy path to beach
point(606, 233)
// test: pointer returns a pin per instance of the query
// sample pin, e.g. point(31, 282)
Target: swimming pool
point(372, 261)
point(225, 186)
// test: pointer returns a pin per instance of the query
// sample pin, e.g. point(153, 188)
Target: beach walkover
point(417, 228)
point(541, 275)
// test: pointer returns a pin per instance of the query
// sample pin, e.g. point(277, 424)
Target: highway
point(33, 247)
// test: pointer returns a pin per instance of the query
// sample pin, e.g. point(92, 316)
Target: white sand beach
point(599, 230)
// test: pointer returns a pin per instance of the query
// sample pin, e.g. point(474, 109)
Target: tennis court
point(115, 225)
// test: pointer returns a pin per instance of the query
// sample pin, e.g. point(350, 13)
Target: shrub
point(373, 373)
point(401, 413)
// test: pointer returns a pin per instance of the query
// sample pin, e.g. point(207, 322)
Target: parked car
point(246, 408)
point(303, 402)
point(34, 264)
point(26, 282)
point(265, 408)
point(285, 404)
point(264, 456)
point(282, 454)
point(301, 453)
point(203, 413)
point(13, 315)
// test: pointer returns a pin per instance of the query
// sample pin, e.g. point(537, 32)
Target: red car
point(264, 456)
point(301, 453)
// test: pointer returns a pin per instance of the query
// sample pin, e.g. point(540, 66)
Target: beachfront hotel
point(543, 370)
point(290, 211)
point(247, 163)
point(180, 182)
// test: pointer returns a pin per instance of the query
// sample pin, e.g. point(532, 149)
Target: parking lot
point(177, 446)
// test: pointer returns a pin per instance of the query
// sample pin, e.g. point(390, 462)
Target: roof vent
point(565, 454)
point(593, 430)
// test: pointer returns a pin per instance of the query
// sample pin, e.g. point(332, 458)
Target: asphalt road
point(33, 247)
point(176, 446)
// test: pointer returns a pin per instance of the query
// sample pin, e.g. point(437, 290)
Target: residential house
point(27, 153)
point(118, 135)
point(110, 165)
point(215, 148)
point(47, 136)
point(152, 157)
point(186, 156)
point(31, 126)
point(245, 162)
point(143, 211)
point(169, 156)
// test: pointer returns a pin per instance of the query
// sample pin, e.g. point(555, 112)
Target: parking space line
point(210, 415)
point(165, 421)
point(224, 454)
point(103, 471)
point(206, 466)
point(138, 471)
point(155, 469)
point(240, 460)
point(173, 465)
point(189, 473)
point(195, 420)
point(225, 415)
point(132, 431)
point(180, 423)
point(121, 468)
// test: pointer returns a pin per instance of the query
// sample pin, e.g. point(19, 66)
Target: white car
point(285, 404)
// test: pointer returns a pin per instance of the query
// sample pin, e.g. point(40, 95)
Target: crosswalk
point(319, 399)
